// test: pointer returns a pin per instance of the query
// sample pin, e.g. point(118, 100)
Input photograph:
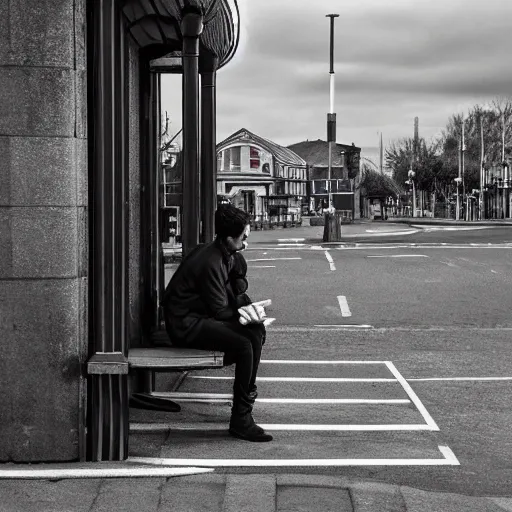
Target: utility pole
point(381, 155)
point(482, 170)
point(462, 149)
point(331, 116)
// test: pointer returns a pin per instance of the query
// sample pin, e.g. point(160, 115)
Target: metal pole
point(191, 28)
point(331, 118)
point(208, 67)
point(481, 195)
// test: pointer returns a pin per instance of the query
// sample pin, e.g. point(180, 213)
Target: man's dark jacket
point(209, 283)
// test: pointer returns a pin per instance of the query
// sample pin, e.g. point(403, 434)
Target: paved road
point(385, 363)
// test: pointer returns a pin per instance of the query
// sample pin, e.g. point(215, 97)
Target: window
point(234, 164)
point(254, 158)
point(320, 187)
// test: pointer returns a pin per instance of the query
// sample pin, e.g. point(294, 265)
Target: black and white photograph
point(255, 255)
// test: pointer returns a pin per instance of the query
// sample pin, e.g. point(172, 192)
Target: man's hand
point(254, 313)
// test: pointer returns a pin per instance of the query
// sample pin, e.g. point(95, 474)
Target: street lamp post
point(411, 174)
point(457, 211)
point(331, 116)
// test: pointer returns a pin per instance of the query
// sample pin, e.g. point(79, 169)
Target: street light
point(411, 174)
point(331, 116)
point(457, 211)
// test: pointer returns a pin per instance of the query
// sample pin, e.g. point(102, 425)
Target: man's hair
point(230, 221)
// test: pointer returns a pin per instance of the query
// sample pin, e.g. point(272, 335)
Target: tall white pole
point(331, 116)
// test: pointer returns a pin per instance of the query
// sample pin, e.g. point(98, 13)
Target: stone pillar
point(43, 229)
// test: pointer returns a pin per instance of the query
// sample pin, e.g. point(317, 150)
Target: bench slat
point(171, 358)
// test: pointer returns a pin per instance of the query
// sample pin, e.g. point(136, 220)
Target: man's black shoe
point(252, 433)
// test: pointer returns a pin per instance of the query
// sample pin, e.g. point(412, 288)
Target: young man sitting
point(201, 305)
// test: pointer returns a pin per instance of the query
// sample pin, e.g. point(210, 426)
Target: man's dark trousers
point(242, 345)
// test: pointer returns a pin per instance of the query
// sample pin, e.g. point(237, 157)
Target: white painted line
point(304, 361)
point(291, 244)
point(226, 397)
point(295, 379)
point(101, 472)
point(274, 259)
point(263, 266)
point(455, 379)
point(332, 401)
point(449, 455)
point(330, 260)
point(344, 326)
point(449, 459)
point(344, 428)
point(412, 395)
point(291, 239)
point(279, 427)
point(345, 311)
point(398, 256)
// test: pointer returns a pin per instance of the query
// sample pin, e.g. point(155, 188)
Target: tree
point(427, 165)
point(373, 183)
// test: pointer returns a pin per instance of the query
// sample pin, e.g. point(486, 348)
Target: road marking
point(180, 426)
point(295, 379)
point(228, 397)
point(294, 244)
point(304, 361)
point(263, 266)
point(291, 239)
point(340, 326)
point(274, 259)
point(449, 459)
point(412, 395)
point(397, 256)
point(455, 379)
point(330, 260)
point(345, 311)
point(99, 472)
point(332, 401)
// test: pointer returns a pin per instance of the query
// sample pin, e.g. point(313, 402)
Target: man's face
point(237, 244)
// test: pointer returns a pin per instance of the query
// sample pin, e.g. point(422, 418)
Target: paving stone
point(423, 501)
point(313, 499)
point(250, 493)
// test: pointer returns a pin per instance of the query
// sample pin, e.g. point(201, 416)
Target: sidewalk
point(449, 222)
point(314, 234)
point(216, 492)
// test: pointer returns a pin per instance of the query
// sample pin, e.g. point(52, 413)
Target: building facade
point(345, 174)
point(79, 202)
point(263, 178)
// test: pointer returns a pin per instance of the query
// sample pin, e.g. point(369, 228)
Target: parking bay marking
point(430, 424)
point(449, 459)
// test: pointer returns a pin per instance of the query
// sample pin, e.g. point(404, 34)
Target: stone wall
point(43, 228)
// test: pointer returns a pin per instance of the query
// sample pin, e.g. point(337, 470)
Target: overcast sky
point(394, 60)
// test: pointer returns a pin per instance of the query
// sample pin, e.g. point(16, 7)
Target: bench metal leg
point(145, 400)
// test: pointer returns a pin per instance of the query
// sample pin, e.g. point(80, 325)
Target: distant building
point(344, 173)
point(263, 178)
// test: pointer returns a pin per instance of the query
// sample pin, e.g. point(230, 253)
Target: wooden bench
point(149, 360)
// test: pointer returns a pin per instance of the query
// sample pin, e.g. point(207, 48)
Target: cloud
point(394, 60)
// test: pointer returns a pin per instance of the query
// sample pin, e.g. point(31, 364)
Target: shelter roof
point(157, 23)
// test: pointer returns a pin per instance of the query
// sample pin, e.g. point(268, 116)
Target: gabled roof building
point(263, 178)
point(344, 174)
